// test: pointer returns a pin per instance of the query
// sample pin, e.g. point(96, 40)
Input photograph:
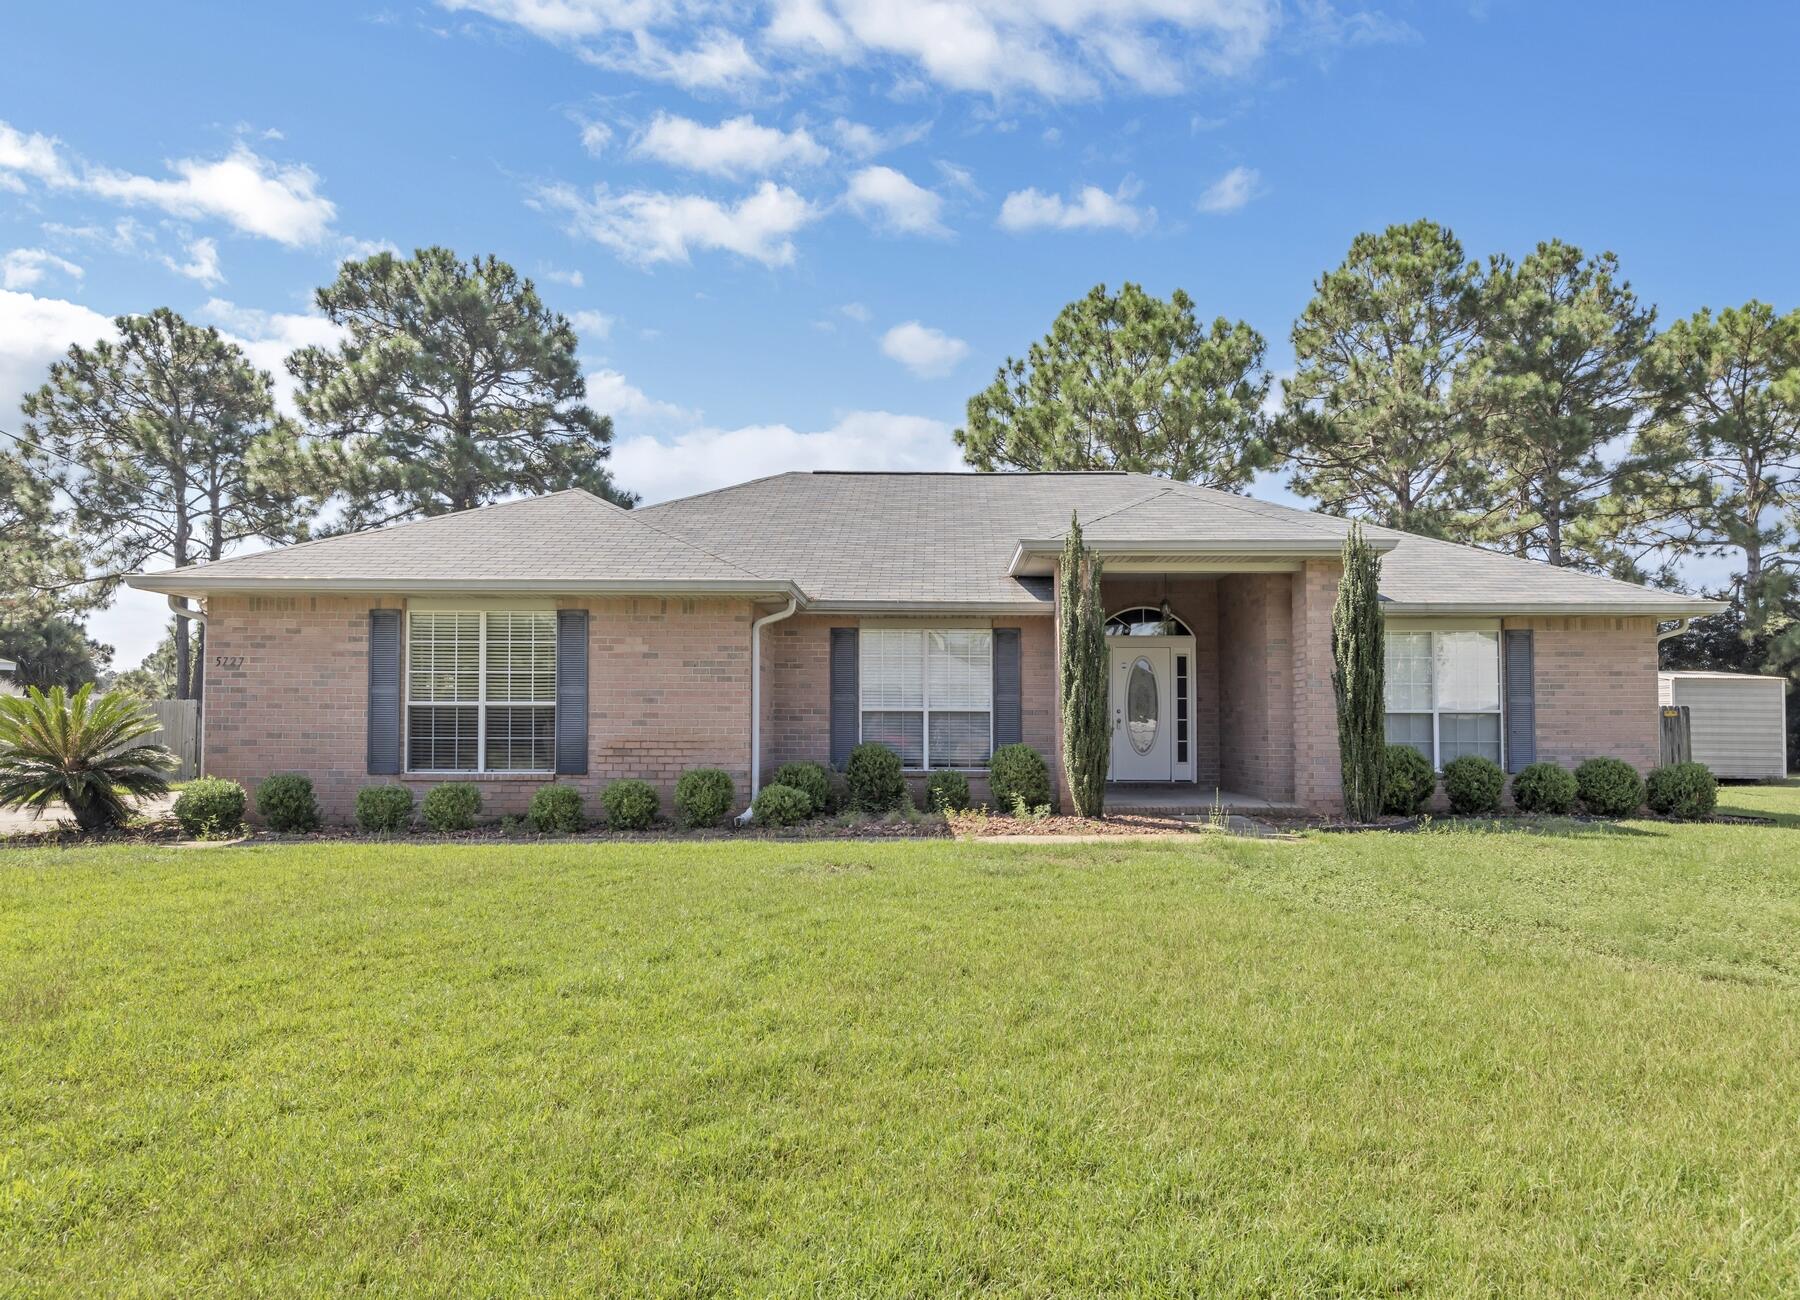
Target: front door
point(1143, 699)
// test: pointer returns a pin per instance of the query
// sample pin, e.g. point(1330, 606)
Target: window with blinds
point(481, 692)
point(928, 694)
point(1443, 693)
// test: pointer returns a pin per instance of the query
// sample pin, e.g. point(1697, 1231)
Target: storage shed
point(1737, 722)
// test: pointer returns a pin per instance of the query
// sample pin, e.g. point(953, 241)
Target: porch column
point(1318, 772)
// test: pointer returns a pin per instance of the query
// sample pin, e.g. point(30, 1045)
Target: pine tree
point(1358, 676)
point(1087, 737)
point(1128, 381)
point(455, 386)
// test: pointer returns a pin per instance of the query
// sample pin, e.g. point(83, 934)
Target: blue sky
point(801, 234)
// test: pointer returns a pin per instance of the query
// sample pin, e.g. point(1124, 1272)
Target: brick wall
point(669, 683)
point(1318, 771)
point(1256, 685)
point(1595, 687)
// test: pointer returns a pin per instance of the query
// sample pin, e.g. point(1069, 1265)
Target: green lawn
point(1452, 1063)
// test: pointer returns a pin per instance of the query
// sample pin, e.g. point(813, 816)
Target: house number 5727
point(228, 661)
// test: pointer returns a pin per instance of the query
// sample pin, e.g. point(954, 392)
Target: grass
point(1451, 1063)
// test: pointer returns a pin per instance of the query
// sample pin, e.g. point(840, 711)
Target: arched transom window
point(1145, 621)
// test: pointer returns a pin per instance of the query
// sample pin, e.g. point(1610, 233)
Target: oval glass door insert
point(1140, 706)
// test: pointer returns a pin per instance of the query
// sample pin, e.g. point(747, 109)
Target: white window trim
point(480, 702)
point(1436, 711)
point(862, 680)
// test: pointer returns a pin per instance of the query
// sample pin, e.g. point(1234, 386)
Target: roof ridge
point(726, 487)
point(1129, 505)
point(1235, 501)
point(690, 543)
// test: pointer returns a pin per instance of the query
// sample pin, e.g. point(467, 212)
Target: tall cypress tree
point(1358, 676)
point(1087, 738)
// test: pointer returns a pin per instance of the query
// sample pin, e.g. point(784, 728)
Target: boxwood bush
point(1473, 784)
point(811, 779)
point(1609, 787)
point(1017, 775)
point(1545, 788)
point(704, 795)
point(630, 805)
point(947, 792)
point(1410, 781)
point(874, 777)
point(210, 806)
point(286, 803)
point(1685, 790)
point(555, 809)
point(453, 806)
point(384, 808)
point(781, 805)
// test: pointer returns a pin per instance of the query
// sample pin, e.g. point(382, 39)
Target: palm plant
point(78, 749)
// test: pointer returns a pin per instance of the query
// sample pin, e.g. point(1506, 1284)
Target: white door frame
point(1122, 651)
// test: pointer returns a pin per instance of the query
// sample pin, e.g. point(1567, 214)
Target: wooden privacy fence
point(178, 729)
point(1677, 734)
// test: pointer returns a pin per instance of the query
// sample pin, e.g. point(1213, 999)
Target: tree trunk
point(183, 687)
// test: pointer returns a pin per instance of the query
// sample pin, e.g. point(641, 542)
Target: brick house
point(561, 638)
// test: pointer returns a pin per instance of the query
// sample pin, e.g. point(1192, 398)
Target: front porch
point(1185, 799)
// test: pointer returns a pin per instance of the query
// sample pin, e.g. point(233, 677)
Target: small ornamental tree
point(1087, 738)
point(1358, 676)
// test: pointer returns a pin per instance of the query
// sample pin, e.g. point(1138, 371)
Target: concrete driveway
point(20, 823)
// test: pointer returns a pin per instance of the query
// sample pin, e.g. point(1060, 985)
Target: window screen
point(1443, 693)
point(481, 692)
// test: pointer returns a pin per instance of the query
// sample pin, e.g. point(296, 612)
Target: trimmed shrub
point(811, 779)
point(384, 808)
point(286, 802)
point(947, 792)
point(453, 806)
point(1685, 790)
point(1544, 788)
point(555, 809)
point(1609, 787)
point(873, 775)
point(1410, 781)
point(1474, 784)
point(630, 805)
point(781, 805)
point(210, 806)
point(1017, 775)
point(704, 795)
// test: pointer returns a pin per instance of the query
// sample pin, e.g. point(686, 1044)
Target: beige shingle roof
point(885, 540)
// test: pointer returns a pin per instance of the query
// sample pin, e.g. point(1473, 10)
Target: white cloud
point(701, 459)
point(33, 333)
point(595, 136)
point(1092, 209)
point(856, 312)
point(929, 353)
point(646, 226)
point(610, 393)
point(596, 323)
point(243, 189)
point(891, 201)
point(735, 147)
point(24, 268)
point(1065, 49)
point(1232, 190)
point(862, 141)
point(571, 278)
point(267, 337)
point(32, 155)
point(202, 263)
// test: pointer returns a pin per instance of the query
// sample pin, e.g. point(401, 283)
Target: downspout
point(195, 614)
point(1681, 625)
point(756, 698)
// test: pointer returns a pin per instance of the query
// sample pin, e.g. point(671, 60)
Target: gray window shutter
point(846, 698)
point(385, 753)
point(1521, 702)
point(1008, 725)
point(572, 692)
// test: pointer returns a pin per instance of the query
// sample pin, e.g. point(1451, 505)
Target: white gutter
point(194, 615)
point(756, 699)
point(1681, 626)
point(199, 582)
point(1624, 608)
